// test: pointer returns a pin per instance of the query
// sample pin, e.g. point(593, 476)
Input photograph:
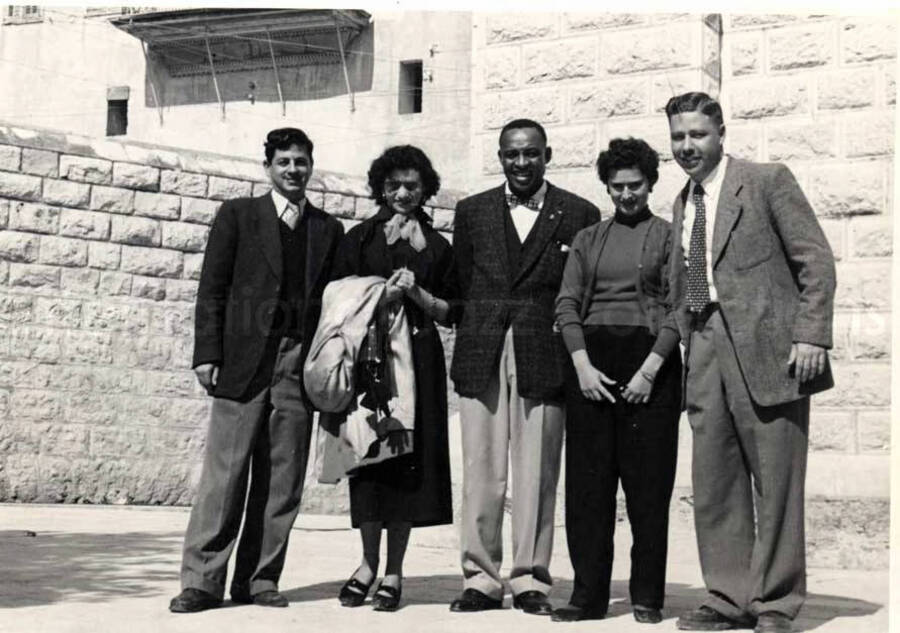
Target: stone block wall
point(818, 93)
point(101, 244)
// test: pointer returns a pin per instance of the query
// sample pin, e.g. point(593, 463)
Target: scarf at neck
point(403, 227)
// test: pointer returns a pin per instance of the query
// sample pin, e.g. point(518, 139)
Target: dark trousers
point(266, 438)
point(748, 461)
point(606, 442)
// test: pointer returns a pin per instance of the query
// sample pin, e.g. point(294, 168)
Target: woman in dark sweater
point(623, 394)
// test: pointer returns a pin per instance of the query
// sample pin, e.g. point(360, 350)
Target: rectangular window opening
point(116, 117)
point(410, 98)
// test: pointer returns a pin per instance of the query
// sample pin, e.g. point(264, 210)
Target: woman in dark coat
point(623, 394)
point(399, 244)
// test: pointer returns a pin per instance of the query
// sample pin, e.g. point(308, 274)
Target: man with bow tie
point(753, 279)
point(266, 264)
point(511, 244)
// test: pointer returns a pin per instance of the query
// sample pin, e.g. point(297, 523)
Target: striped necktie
point(698, 284)
point(291, 215)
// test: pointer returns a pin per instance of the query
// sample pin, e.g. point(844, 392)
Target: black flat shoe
point(270, 598)
point(386, 598)
point(571, 613)
point(473, 600)
point(533, 602)
point(646, 615)
point(706, 618)
point(353, 593)
point(193, 600)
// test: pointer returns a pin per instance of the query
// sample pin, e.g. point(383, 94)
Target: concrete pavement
point(98, 569)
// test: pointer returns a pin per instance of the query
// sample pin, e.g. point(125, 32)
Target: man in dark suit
point(753, 283)
point(511, 244)
point(266, 264)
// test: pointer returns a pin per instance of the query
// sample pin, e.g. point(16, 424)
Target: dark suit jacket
point(240, 285)
point(494, 297)
point(774, 274)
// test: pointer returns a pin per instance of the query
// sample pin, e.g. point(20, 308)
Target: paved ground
point(99, 569)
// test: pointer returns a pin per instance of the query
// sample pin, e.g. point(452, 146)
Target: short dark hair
point(695, 102)
point(283, 138)
point(402, 157)
point(626, 153)
point(519, 124)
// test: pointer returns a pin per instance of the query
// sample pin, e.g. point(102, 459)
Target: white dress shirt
point(712, 187)
point(524, 218)
point(281, 205)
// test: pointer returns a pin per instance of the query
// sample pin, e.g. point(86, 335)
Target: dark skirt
point(413, 487)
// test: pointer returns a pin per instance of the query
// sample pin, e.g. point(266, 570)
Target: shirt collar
point(281, 203)
point(713, 181)
point(537, 196)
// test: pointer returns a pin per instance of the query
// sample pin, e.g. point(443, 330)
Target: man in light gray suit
point(753, 281)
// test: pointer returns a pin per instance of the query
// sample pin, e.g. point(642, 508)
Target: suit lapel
point(728, 210)
point(677, 268)
point(549, 218)
point(268, 236)
point(316, 246)
point(493, 217)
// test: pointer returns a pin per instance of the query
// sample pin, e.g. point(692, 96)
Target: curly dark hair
point(283, 138)
point(402, 157)
point(625, 153)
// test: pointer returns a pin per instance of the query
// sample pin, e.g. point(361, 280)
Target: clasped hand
point(592, 383)
point(401, 282)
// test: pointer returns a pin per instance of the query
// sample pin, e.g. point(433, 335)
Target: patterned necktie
point(698, 284)
point(291, 215)
point(514, 201)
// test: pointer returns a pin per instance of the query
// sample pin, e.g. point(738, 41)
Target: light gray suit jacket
point(774, 274)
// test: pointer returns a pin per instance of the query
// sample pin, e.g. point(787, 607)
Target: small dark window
point(410, 87)
point(116, 117)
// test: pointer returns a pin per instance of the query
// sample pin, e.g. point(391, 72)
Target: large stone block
point(513, 27)
point(135, 231)
point(228, 188)
point(858, 385)
point(166, 206)
point(669, 84)
point(846, 89)
point(868, 39)
point(836, 234)
point(601, 21)
point(874, 431)
point(871, 237)
point(82, 169)
point(870, 335)
point(145, 352)
point(172, 320)
point(20, 186)
point(93, 348)
point(803, 47)
point(802, 141)
point(831, 430)
point(79, 281)
point(773, 96)
point(745, 53)
point(90, 379)
point(4, 271)
point(34, 218)
point(69, 441)
point(869, 134)
point(552, 62)
point(613, 98)
point(4, 213)
point(91, 408)
point(63, 251)
point(547, 106)
point(57, 312)
point(183, 183)
point(15, 308)
point(114, 284)
point(112, 199)
point(166, 383)
point(18, 247)
point(184, 237)
point(154, 262)
point(36, 404)
point(863, 285)
point(181, 290)
point(19, 478)
point(151, 288)
point(37, 343)
point(133, 176)
point(40, 162)
point(84, 224)
point(744, 141)
point(339, 205)
point(104, 255)
point(122, 441)
point(656, 49)
point(846, 189)
point(840, 336)
point(573, 147)
point(34, 276)
point(193, 262)
point(198, 210)
point(116, 317)
point(66, 193)
point(501, 68)
point(10, 157)
point(890, 85)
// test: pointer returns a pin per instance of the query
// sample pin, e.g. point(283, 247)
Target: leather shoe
point(386, 598)
point(572, 613)
point(646, 615)
point(473, 600)
point(192, 600)
point(706, 618)
point(772, 622)
point(353, 592)
point(533, 602)
point(268, 598)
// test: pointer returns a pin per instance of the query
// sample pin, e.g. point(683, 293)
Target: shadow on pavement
point(54, 566)
point(820, 608)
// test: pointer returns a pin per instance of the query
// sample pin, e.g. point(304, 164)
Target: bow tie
point(515, 201)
